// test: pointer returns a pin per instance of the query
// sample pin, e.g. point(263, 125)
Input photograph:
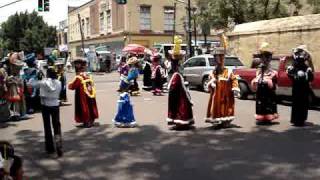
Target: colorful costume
point(179, 100)
point(157, 77)
point(15, 85)
point(129, 83)
point(86, 110)
point(180, 104)
point(223, 85)
point(124, 116)
point(4, 109)
point(265, 83)
point(266, 104)
point(301, 75)
point(31, 73)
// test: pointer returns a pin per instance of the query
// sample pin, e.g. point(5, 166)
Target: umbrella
point(134, 48)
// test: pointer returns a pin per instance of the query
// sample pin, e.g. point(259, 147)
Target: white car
point(197, 69)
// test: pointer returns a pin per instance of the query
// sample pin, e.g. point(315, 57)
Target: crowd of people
point(25, 90)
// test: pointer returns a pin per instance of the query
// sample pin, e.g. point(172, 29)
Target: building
point(62, 36)
point(283, 34)
point(106, 23)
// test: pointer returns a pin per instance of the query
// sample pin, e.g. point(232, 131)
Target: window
point(65, 39)
point(232, 61)
point(194, 62)
point(274, 64)
point(101, 22)
point(201, 62)
point(145, 18)
point(168, 19)
point(212, 62)
point(87, 27)
point(109, 24)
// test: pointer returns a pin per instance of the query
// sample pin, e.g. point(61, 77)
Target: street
point(152, 151)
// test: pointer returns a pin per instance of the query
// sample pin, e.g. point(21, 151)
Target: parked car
point(197, 69)
point(284, 90)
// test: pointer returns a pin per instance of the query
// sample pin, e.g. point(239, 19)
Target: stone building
point(283, 34)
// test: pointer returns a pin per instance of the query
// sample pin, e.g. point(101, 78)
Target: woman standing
point(301, 75)
point(265, 83)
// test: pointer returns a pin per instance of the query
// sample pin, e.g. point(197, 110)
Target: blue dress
point(127, 80)
point(124, 116)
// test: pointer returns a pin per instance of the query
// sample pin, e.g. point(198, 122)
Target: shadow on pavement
point(149, 153)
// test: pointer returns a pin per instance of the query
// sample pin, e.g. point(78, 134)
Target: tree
point(315, 4)
point(28, 32)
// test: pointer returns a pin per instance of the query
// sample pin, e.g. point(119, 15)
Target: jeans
point(51, 115)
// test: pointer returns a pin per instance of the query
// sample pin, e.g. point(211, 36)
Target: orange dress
point(221, 102)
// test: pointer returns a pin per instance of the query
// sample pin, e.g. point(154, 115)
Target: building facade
point(106, 23)
point(62, 36)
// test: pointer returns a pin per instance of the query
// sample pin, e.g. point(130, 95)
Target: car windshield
point(232, 61)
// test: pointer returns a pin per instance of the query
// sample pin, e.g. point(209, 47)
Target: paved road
point(151, 151)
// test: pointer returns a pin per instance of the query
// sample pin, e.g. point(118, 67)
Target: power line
point(10, 3)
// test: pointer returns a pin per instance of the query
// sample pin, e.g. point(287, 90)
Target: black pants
point(51, 115)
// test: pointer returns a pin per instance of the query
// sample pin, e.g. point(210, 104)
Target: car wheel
point(205, 82)
point(244, 90)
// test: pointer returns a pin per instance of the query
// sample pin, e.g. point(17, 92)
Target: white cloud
point(58, 9)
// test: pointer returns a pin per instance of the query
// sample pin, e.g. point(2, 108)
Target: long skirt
point(266, 103)
point(300, 102)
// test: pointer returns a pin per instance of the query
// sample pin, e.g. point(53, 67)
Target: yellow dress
point(221, 102)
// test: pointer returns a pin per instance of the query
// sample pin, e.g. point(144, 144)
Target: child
point(125, 116)
point(50, 89)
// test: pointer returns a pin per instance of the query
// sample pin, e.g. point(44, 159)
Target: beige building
point(283, 34)
point(62, 36)
point(106, 23)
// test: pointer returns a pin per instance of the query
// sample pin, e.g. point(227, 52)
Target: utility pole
point(189, 30)
point(174, 20)
point(194, 28)
point(82, 35)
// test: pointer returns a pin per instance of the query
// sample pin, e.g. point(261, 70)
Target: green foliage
point(217, 13)
point(315, 4)
point(27, 32)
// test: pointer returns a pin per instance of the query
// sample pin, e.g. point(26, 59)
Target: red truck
point(284, 90)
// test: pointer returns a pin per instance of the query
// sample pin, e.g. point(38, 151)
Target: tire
point(244, 90)
point(205, 82)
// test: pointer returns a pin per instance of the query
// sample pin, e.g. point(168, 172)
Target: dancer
point(265, 84)
point(157, 76)
point(124, 116)
point(129, 83)
point(223, 88)
point(301, 74)
point(16, 98)
point(31, 73)
point(86, 110)
point(4, 109)
point(179, 101)
point(147, 72)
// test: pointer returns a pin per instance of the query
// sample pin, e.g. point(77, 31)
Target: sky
point(58, 9)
